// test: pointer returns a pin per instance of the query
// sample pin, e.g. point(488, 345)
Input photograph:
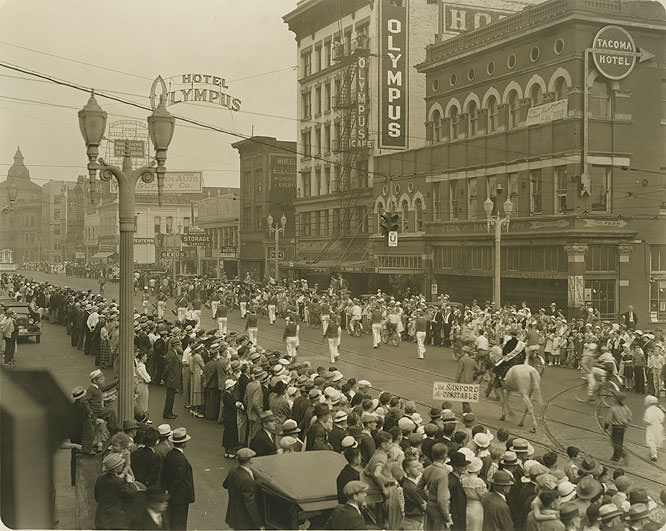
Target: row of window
point(399, 262)
point(347, 221)
point(322, 181)
point(323, 99)
point(322, 55)
point(320, 140)
point(222, 237)
point(463, 122)
point(464, 199)
point(168, 225)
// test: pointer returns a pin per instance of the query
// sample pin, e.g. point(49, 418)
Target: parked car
point(28, 323)
point(298, 489)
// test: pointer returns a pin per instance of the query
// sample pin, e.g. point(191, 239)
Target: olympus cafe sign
point(615, 54)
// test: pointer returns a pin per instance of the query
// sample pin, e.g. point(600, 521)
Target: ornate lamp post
point(92, 121)
point(497, 222)
point(277, 230)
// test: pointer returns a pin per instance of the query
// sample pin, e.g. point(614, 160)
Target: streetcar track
point(559, 447)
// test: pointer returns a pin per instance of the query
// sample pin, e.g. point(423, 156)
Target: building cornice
point(311, 15)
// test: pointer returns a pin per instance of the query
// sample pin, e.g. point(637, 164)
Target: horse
point(525, 380)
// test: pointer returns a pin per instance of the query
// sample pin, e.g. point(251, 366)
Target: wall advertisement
point(175, 182)
point(393, 64)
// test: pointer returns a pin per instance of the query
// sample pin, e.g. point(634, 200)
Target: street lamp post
point(92, 121)
point(497, 222)
point(277, 230)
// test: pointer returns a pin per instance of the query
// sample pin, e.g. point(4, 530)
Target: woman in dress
point(141, 380)
point(104, 350)
point(475, 490)
point(196, 371)
point(654, 418)
point(229, 408)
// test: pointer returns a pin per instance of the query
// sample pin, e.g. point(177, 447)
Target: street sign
point(170, 253)
point(145, 241)
point(458, 392)
point(393, 238)
point(280, 255)
point(614, 52)
point(228, 252)
point(135, 148)
point(199, 240)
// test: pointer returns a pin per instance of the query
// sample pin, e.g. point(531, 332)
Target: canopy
point(306, 478)
point(103, 255)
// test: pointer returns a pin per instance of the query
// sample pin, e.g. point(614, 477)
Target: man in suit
point(629, 318)
point(349, 515)
point(317, 435)
point(465, 373)
point(458, 498)
point(338, 431)
point(242, 507)
point(254, 402)
point(447, 323)
point(146, 463)
point(496, 513)
point(263, 443)
point(164, 446)
point(172, 374)
point(113, 494)
point(177, 479)
point(95, 400)
point(153, 514)
point(436, 327)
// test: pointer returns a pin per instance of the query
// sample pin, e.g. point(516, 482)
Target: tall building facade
point(267, 188)
point(359, 98)
point(62, 220)
point(219, 217)
point(515, 111)
point(21, 213)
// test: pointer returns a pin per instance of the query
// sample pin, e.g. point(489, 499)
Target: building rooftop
point(639, 11)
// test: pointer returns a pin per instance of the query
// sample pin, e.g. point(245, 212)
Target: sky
point(119, 48)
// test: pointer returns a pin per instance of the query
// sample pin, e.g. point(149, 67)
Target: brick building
point(359, 97)
point(267, 187)
point(506, 110)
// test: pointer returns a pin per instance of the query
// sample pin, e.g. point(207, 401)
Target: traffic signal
point(388, 222)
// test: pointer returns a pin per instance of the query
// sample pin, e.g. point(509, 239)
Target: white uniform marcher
point(654, 418)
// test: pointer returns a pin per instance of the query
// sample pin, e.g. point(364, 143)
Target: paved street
point(563, 420)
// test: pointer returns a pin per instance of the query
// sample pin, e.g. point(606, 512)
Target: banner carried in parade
point(457, 392)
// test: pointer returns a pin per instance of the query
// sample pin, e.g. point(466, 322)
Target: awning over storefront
point(102, 255)
point(350, 266)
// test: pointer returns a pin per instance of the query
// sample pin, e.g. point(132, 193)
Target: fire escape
point(346, 103)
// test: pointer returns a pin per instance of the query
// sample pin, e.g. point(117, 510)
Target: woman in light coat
point(654, 432)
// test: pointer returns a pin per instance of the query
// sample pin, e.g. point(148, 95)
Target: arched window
point(436, 126)
point(472, 113)
point(536, 96)
point(418, 215)
point(561, 89)
point(380, 210)
point(453, 117)
point(492, 114)
point(513, 109)
point(404, 213)
point(600, 99)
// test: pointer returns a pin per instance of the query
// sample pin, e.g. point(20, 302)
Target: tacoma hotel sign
point(614, 52)
point(204, 88)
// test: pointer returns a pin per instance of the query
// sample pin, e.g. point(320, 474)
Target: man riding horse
point(513, 353)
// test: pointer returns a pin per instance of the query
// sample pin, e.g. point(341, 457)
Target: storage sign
point(458, 392)
point(393, 60)
point(614, 52)
point(199, 240)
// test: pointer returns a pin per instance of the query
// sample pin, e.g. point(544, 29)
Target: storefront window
point(658, 300)
point(600, 293)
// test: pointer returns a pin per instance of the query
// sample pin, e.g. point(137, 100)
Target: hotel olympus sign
point(614, 52)
point(204, 88)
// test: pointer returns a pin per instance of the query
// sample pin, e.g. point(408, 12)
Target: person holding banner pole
point(465, 373)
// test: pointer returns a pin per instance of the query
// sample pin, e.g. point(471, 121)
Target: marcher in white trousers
point(654, 432)
point(213, 307)
point(420, 344)
point(197, 316)
point(271, 313)
point(291, 344)
point(333, 348)
point(252, 333)
point(376, 334)
point(181, 313)
point(324, 323)
point(161, 306)
point(243, 308)
point(222, 325)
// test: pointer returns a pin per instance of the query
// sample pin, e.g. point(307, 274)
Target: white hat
point(228, 383)
point(349, 442)
point(364, 383)
point(96, 374)
point(567, 491)
point(475, 464)
point(164, 429)
point(406, 424)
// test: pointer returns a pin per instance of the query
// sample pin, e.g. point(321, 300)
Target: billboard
point(283, 174)
point(456, 18)
point(393, 64)
point(175, 182)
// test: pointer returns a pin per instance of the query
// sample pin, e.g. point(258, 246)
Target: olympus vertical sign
point(614, 52)
point(393, 23)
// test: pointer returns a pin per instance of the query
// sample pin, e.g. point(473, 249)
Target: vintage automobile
point(298, 489)
point(28, 323)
